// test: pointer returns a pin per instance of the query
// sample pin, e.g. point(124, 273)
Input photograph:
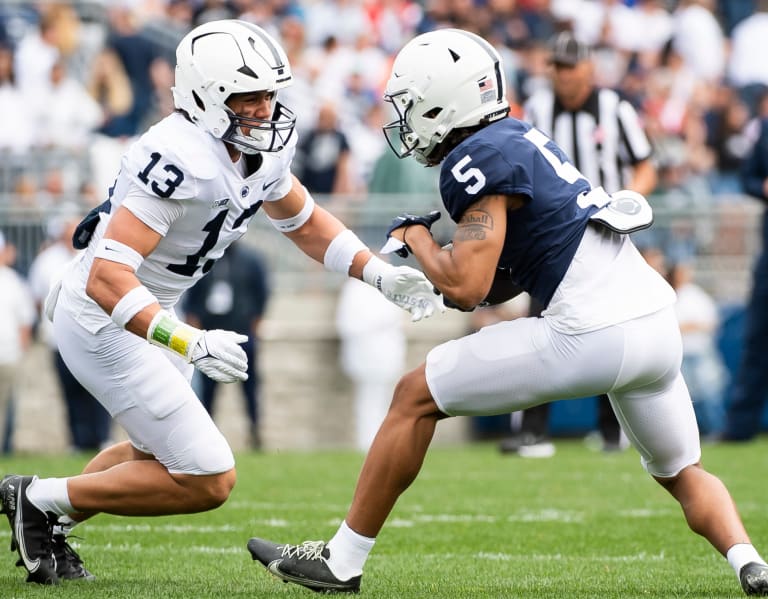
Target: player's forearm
point(314, 236)
point(440, 267)
point(645, 178)
point(109, 283)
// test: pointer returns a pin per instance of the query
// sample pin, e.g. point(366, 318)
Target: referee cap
point(567, 50)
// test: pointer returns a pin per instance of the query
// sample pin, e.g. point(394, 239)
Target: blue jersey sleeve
point(476, 170)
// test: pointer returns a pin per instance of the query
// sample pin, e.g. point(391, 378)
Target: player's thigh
point(185, 441)
point(147, 391)
point(517, 364)
point(122, 370)
point(651, 399)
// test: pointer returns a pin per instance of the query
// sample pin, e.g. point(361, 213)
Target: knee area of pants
point(200, 451)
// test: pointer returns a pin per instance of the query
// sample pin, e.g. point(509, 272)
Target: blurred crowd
point(80, 79)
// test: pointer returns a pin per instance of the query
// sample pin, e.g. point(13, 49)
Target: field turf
point(475, 524)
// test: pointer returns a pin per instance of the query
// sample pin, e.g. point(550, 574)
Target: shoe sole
point(314, 585)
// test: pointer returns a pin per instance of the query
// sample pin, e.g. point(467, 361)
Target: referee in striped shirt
point(603, 136)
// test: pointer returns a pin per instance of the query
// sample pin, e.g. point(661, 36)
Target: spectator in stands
point(109, 85)
point(17, 133)
point(372, 354)
point(698, 38)
point(88, 422)
point(604, 138)
point(323, 156)
point(749, 392)
point(67, 115)
point(136, 53)
point(233, 297)
point(36, 54)
point(702, 367)
point(726, 136)
point(17, 316)
point(746, 71)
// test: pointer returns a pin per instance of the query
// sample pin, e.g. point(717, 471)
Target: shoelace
point(60, 545)
point(310, 550)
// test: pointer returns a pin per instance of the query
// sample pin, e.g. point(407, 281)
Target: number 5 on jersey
point(470, 174)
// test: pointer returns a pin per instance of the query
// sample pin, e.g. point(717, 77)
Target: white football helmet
point(441, 81)
point(221, 58)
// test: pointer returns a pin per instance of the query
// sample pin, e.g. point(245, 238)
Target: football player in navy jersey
point(524, 215)
point(186, 190)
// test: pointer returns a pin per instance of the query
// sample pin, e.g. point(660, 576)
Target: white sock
point(50, 495)
point(64, 525)
point(349, 550)
point(741, 554)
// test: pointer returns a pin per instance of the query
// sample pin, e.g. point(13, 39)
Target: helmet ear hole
point(432, 112)
point(198, 100)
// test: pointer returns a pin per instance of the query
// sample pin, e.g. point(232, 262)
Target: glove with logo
point(218, 355)
point(406, 220)
point(405, 287)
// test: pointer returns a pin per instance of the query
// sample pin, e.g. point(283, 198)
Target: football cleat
point(31, 530)
point(69, 565)
point(754, 579)
point(303, 564)
point(528, 445)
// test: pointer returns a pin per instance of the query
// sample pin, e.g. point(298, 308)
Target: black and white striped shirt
point(604, 138)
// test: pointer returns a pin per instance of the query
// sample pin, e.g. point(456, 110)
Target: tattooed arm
point(464, 272)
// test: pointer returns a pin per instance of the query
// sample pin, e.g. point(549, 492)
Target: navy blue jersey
point(510, 157)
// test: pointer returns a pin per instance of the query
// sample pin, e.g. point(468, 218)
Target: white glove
point(405, 287)
point(218, 355)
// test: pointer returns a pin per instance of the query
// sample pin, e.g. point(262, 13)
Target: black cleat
point(69, 566)
point(754, 579)
point(31, 530)
point(303, 564)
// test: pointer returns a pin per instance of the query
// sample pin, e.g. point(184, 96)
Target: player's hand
point(218, 355)
point(411, 290)
point(406, 220)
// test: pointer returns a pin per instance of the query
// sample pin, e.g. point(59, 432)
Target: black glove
point(406, 220)
point(84, 231)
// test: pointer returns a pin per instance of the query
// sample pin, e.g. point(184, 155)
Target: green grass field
point(475, 524)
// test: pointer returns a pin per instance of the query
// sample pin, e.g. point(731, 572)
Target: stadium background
point(53, 160)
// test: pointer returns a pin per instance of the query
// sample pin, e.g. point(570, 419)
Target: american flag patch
point(487, 87)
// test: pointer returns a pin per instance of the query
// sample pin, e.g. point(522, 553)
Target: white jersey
point(180, 181)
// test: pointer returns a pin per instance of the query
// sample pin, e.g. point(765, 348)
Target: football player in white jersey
point(524, 216)
point(186, 189)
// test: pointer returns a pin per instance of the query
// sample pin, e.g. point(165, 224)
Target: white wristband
point(109, 249)
point(342, 250)
point(286, 225)
point(373, 271)
point(131, 304)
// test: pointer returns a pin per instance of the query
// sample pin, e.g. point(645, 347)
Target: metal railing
point(720, 238)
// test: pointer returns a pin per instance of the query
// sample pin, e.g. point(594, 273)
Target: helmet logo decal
point(487, 90)
point(246, 70)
